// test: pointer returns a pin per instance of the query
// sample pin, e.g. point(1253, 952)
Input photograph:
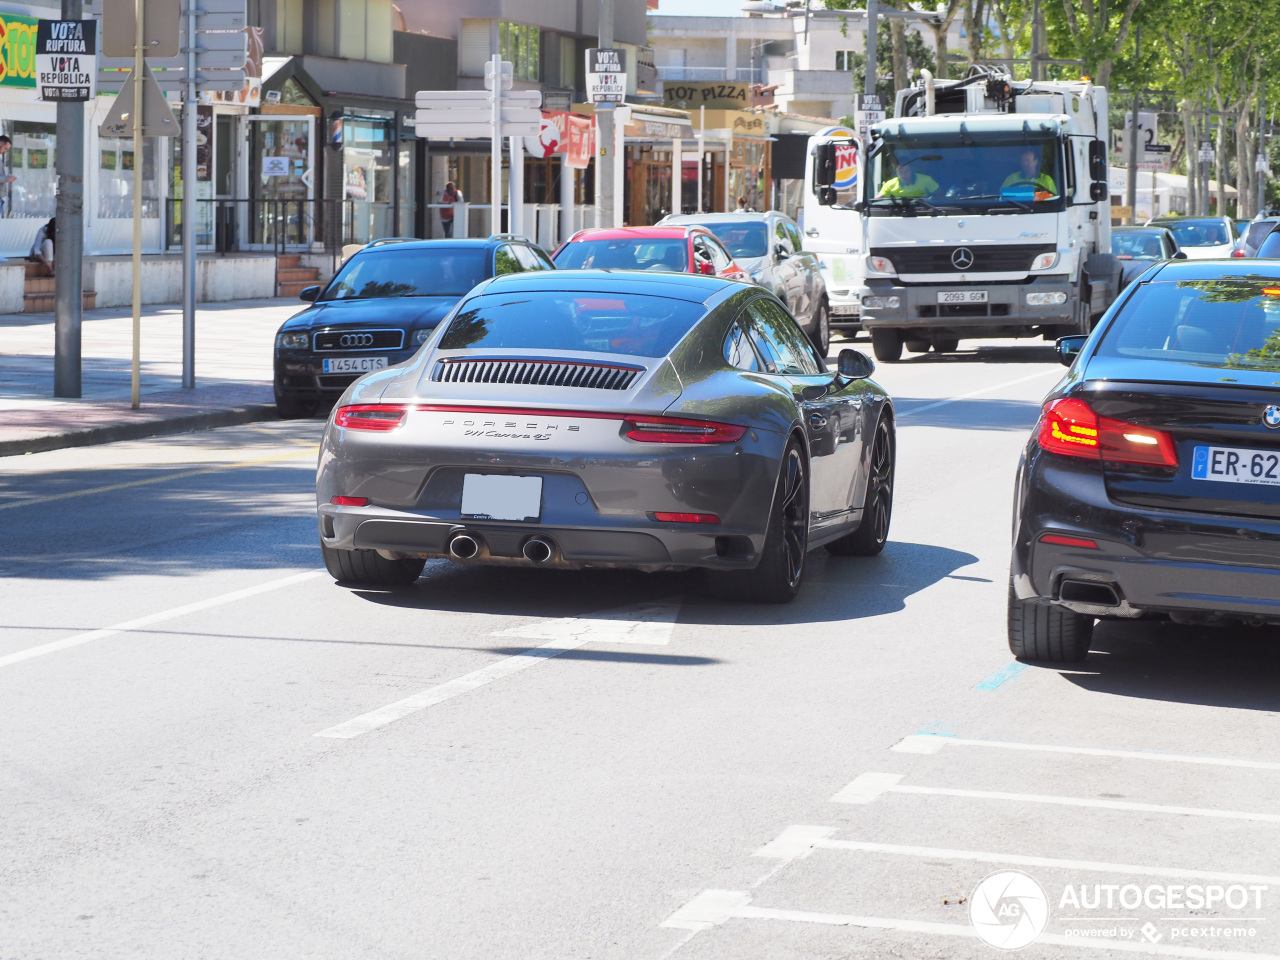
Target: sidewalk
point(233, 374)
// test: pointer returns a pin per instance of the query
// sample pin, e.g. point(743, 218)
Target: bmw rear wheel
point(877, 510)
point(1044, 632)
point(887, 344)
point(369, 567)
point(777, 577)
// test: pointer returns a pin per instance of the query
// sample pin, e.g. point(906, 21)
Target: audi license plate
point(354, 364)
point(1236, 465)
point(963, 296)
point(488, 496)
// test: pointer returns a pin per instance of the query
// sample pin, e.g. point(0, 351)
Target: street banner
point(606, 75)
point(868, 110)
point(66, 60)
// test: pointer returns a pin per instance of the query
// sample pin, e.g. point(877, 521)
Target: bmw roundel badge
point(1271, 416)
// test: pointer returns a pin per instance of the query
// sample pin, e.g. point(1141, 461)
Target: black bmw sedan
point(1151, 485)
point(379, 308)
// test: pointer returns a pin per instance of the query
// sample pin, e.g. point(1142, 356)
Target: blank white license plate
point(962, 296)
point(1236, 465)
point(354, 364)
point(487, 496)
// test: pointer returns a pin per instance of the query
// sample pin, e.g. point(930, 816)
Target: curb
point(185, 423)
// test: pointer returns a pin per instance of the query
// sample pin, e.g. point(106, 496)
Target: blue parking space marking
point(1003, 675)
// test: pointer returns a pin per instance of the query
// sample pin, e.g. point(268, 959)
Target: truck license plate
point(963, 296)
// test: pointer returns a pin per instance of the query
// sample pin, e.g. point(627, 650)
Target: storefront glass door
point(281, 210)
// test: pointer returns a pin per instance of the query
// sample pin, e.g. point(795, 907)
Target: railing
point(232, 226)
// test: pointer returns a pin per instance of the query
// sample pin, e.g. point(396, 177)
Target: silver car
point(610, 418)
point(768, 246)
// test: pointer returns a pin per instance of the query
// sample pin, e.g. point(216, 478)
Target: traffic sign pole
point(495, 149)
point(69, 239)
point(189, 112)
point(138, 110)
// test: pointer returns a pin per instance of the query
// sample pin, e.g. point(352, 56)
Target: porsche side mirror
point(855, 365)
point(309, 294)
point(1068, 348)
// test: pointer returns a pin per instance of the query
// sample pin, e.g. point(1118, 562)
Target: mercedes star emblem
point(1271, 416)
point(962, 259)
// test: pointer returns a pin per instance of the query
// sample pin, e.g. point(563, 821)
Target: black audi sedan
point(379, 308)
point(1151, 485)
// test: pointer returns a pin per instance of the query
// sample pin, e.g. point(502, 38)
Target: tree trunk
point(898, 38)
point(1220, 166)
point(1193, 163)
point(974, 18)
point(1244, 168)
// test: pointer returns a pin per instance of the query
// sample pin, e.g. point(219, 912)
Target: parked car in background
point(1201, 238)
point(1137, 248)
point(380, 306)
point(768, 246)
point(1255, 232)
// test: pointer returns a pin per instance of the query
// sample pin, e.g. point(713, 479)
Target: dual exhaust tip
point(464, 546)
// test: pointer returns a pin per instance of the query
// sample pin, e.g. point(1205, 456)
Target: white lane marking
point(928, 743)
point(131, 625)
point(712, 908)
point(625, 625)
point(868, 786)
point(649, 624)
point(819, 838)
point(793, 842)
point(976, 393)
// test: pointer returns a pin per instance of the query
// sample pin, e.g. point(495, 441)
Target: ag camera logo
point(1009, 910)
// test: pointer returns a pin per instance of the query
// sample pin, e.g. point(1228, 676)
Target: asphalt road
point(210, 750)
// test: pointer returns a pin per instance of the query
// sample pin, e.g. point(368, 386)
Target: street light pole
point(873, 22)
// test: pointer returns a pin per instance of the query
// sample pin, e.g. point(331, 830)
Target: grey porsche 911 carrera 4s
point(610, 418)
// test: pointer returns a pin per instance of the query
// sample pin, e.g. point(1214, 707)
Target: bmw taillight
point(371, 416)
point(680, 430)
point(1070, 427)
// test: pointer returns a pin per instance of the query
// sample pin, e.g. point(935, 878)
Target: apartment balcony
point(694, 74)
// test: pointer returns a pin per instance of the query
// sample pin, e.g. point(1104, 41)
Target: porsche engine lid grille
point(542, 373)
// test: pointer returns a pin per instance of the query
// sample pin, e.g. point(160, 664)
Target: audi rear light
point(371, 416)
point(680, 430)
point(686, 518)
point(1071, 428)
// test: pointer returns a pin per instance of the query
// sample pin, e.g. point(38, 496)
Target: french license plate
point(962, 296)
point(354, 364)
point(1236, 465)
point(488, 496)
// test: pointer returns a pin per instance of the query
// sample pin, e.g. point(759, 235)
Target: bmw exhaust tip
point(463, 546)
point(537, 550)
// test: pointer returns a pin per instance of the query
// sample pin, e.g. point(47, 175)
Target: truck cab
point(985, 213)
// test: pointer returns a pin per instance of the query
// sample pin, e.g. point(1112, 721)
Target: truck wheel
point(887, 344)
point(946, 344)
point(916, 346)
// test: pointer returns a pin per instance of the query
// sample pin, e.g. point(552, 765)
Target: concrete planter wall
point(222, 278)
point(12, 286)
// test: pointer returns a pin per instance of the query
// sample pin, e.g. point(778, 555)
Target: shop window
point(368, 166)
point(31, 161)
point(844, 59)
point(522, 45)
point(115, 179)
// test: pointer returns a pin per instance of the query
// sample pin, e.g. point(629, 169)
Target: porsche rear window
point(636, 324)
point(1223, 323)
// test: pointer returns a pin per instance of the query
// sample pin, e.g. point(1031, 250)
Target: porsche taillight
point(371, 416)
point(1070, 427)
point(680, 430)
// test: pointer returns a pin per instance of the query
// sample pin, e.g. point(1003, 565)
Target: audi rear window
point(636, 324)
point(1234, 324)
point(444, 272)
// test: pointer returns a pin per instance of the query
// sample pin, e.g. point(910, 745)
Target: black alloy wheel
point(821, 336)
point(778, 575)
point(1043, 632)
point(877, 510)
point(887, 344)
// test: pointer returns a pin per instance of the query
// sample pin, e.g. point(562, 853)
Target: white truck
point(982, 210)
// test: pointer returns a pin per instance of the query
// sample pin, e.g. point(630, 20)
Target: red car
point(680, 249)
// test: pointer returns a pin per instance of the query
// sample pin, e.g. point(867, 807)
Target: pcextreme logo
point(17, 50)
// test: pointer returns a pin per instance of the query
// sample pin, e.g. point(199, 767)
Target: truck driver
point(1029, 178)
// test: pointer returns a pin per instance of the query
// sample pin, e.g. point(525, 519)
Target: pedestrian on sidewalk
point(42, 246)
point(451, 195)
point(5, 146)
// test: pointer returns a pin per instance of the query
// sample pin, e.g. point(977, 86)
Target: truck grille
point(1005, 258)
point(359, 340)
point(542, 373)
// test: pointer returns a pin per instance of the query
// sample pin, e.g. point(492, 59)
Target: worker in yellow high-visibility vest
point(908, 183)
point(1028, 178)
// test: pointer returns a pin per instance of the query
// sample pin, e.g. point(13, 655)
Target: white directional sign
point(460, 114)
point(222, 51)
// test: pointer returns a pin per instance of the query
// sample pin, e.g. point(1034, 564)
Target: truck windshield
point(1013, 174)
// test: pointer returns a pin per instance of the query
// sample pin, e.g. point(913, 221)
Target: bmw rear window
point(1233, 323)
point(636, 324)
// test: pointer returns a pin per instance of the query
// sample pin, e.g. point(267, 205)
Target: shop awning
point(667, 125)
